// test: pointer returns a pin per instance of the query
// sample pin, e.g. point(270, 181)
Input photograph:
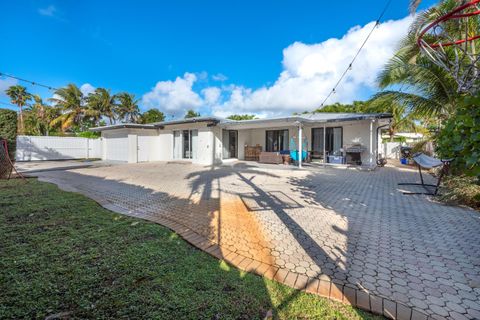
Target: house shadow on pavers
point(417, 256)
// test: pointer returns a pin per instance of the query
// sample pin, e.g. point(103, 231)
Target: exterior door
point(333, 141)
point(230, 144)
point(144, 147)
point(177, 145)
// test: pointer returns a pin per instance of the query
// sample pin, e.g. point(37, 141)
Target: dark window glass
point(277, 140)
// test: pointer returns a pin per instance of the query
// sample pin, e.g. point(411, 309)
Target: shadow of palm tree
point(332, 267)
point(214, 210)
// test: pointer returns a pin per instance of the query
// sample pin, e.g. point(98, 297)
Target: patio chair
point(427, 162)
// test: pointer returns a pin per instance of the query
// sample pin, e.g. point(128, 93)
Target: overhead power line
point(349, 67)
point(33, 83)
point(7, 104)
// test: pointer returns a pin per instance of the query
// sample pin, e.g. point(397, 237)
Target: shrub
point(8, 130)
point(461, 190)
point(89, 134)
point(460, 137)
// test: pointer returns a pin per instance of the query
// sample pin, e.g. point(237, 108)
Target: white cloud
point(310, 71)
point(87, 88)
point(49, 11)
point(5, 84)
point(219, 77)
point(211, 95)
point(174, 97)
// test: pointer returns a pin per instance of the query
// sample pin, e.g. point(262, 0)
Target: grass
point(64, 255)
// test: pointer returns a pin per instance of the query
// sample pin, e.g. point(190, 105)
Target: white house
point(341, 137)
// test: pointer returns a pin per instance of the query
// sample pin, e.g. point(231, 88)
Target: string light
point(7, 104)
point(349, 68)
point(33, 83)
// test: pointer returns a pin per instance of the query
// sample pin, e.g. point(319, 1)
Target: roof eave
point(122, 126)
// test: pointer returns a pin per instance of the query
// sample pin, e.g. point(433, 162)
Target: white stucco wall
point(123, 145)
point(354, 132)
point(206, 142)
point(135, 145)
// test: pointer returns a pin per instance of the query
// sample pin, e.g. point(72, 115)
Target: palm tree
point(127, 107)
point(18, 95)
point(38, 117)
point(35, 117)
point(192, 114)
point(102, 102)
point(70, 102)
point(402, 120)
point(426, 89)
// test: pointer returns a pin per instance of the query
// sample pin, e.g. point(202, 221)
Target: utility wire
point(33, 83)
point(377, 23)
point(7, 104)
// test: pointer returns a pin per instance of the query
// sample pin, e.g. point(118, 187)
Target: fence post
point(88, 148)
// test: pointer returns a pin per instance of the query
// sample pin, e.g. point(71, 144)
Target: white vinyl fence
point(391, 150)
point(31, 148)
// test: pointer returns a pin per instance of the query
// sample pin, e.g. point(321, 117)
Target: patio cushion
point(270, 157)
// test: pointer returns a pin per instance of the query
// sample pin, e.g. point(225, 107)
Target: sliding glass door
point(185, 144)
point(333, 141)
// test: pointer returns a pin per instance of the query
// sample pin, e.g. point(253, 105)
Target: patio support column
point(324, 134)
point(371, 143)
point(299, 144)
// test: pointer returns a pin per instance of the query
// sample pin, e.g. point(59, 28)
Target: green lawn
point(62, 254)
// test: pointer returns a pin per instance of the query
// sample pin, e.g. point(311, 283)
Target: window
point(277, 140)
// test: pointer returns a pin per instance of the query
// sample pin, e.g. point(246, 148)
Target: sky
point(268, 58)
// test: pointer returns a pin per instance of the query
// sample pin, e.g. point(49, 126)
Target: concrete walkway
point(342, 233)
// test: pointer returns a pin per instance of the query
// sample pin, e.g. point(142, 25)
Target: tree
point(127, 107)
point(401, 120)
point(426, 89)
point(38, 117)
point(70, 102)
point(152, 115)
point(192, 114)
point(8, 130)
point(18, 95)
point(459, 138)
point(355, 107)
point(238, 117)
point(102, 103)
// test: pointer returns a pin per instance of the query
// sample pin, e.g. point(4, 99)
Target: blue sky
point(245, 56)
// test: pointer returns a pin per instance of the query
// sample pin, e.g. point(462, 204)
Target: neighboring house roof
point(124, 125)
point(303, 118)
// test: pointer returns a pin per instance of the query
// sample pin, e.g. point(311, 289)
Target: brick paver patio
point(342, 233)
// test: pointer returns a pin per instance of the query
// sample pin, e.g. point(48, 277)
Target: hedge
point(459, 137)
point(8, 130)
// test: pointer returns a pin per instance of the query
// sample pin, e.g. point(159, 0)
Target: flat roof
point(320, 117)
point(124, 125)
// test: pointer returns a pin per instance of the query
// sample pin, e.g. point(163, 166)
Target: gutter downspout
point(378, 130)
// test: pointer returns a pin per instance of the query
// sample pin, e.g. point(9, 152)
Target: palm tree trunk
point(22, 129)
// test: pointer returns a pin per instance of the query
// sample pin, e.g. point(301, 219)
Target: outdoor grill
point(354, 154)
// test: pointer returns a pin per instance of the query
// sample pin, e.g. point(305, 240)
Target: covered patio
point(322, 138)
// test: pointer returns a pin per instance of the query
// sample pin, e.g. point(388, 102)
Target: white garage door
point(117, 147)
